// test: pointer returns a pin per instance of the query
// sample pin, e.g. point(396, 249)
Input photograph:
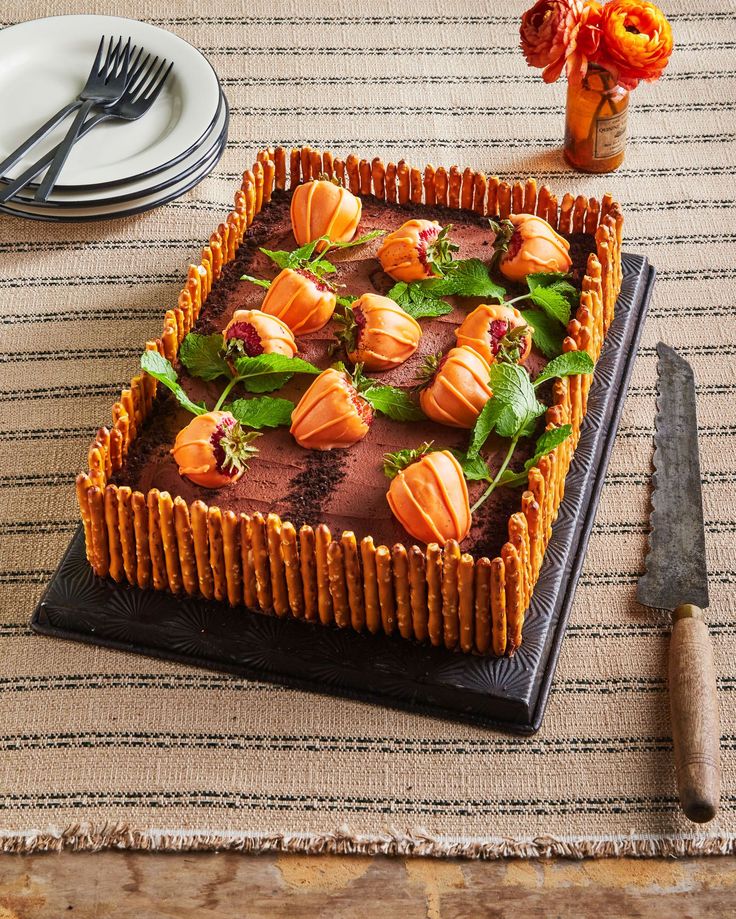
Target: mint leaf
point(546, 444)
point(393, 402)
point(548, 333)
point(552, 302)
point(475, 468)
point(417, 301)
point(555, 279)
point(518, 403)
point(267, 372)
point(361, 240)
point(202, 356)
point(261, 282)
point(484, 424)
point(468, 278)
point(261, 412)
point(160, 369)
point(566, 365)
point(393, 463)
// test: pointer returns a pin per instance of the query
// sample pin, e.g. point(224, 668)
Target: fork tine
point(125, 62)
point(112, 57)
point(141, 78)
point(98, 56)
point(144, 92)
point(136, 69)
point(157, 89)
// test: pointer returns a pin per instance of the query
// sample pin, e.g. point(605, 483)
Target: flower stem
point(502, 468)
point(225, 393)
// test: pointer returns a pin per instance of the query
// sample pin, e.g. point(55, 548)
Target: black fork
point(105, 85)
point(146, 81)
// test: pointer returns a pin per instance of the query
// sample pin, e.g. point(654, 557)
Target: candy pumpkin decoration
point(457, 389)
point(321, 208)
point(253, 332)
point(418, 250)
point(429, 495)
point(213, 450)
point(331, 413)
point(496, 332)
point(526, 244)
point(301, 300)
point(377, 333)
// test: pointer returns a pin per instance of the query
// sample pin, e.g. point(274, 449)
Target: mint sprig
point(266, 372)
point(202, 356)
point(307, 256)
point(545, 444)
point(391, 401)
point(555, 298)
point(160, 369)
point(417, 301)
point(466, 278)
point(547, 332)
point(261, 411)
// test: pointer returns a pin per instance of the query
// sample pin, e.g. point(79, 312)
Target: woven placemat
point(101, 748)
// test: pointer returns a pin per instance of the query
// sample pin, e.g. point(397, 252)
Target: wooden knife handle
point(694, 706)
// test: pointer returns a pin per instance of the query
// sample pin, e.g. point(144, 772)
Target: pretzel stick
point(259, 547)
point(530, 196)
point(479, 193)
point(250, 589)
point(353, 579)
point(517, 198)
point(434, 593)
point(338, 587)
point(100, 555)
point(385, 589)
point(233, 562)
point(315, 164)
point(441, 186)
point(294, 168)
point(217, 553)
point(400, 566)
point(323, 538)
point(279, 161)
point(450, 596)
point(306, 160)
point(142, 548)
point(116, 450)
point(352, 169)
point(168, 538)
point(83, 484)
point(402, 181)
point(415, 185)
point(370, 585)
point(328, 164)
point(418, 592)
point(519, 539)
point(200, 538)
point(292, 571)
point(504, 199)
point(269, 175)
point(378, 173)
point(482, 610)
point(498, 606)
point(364, 171)
point(391, 187)
point(126, 527)
point(514, 603)
point(185, 543)
point(430, 192)
point(455, 180)
point(466, 192)
point(492, 201)
point(308, 568)
point(155, 542)
point(276, 565)
point(115, 550)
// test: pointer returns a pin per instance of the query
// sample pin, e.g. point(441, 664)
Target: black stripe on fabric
point(404, 51)
point(56, 682)
point(79, 315)
point(36, 576)
point(117, 279)
point(67, 354)
point(462, 807)
point(62, 392)
point(45, 433)
point(30, 527)
point(421, 143)
point(33, 479)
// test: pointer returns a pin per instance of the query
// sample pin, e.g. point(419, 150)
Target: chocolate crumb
point(312, 487)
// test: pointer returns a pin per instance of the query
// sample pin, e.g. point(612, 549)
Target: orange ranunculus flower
point(636, 41)
point(561, 34)
point(583, 41)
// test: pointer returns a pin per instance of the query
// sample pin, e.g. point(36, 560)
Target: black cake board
point(506, 693)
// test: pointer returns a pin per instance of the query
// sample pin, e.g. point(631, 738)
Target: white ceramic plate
point(125, 209)
point(45, 64)
point(137, 188)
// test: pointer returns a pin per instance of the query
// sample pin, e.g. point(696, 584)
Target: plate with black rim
point(508, 693)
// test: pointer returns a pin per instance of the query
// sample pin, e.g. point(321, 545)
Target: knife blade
point(676, 579)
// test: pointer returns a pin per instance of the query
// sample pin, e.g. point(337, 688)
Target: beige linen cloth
point(104, 748)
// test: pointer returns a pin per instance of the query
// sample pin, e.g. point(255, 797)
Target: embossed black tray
point(507, 693)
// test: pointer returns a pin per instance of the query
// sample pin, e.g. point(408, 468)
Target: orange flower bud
point(458, 389)
point(407, 254)
point(300, 299)
point(321, 208)
point(330, 413)
point(534, 246)
point(253, 332)
point(487, 331)
point(378, 333)
point(213, 449)
point(430, 500)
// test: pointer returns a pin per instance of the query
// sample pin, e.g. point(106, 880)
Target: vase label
point(610, 136)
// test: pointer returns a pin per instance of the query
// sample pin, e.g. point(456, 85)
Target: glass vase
point(595, 122)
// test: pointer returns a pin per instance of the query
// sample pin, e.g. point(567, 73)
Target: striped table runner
point(103, 748)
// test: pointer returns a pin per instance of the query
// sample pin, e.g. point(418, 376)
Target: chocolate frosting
point(346, 489)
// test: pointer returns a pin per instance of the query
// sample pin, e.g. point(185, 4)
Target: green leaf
point(361, 240)
point(548, 333)
point(514, 393)
point(202, 356)
point(393, 402)
point(475, 468)
point(261, 411)
point(555, 279)
point(567, 365)
point(552, 302)
point(484, 424)
point(267, 372)
point(546, 444)
point(261, 282)
point(393, 463)
point(160, 369)
point(414, 300)
point(469, 278)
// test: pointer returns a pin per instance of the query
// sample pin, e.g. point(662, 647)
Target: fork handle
point(63, 151)
point(37, 135)
point(10, 190)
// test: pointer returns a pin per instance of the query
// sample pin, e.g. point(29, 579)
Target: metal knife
point(677, 579)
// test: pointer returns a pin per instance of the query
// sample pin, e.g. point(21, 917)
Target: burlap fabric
point(103, 748)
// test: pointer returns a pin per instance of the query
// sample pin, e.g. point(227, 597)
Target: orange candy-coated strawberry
point(533, 247)
point(301, 300)
point(380, 334)
point(330, 413)
point(458, 389)
point(430, 500)
point(321, 208)
point(489, 329)
point(253, 332)
point(406, 254)
point(213, 450)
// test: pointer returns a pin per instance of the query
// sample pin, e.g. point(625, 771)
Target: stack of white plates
point(120, 167)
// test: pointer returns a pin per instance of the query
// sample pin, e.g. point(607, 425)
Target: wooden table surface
point(124, 885)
